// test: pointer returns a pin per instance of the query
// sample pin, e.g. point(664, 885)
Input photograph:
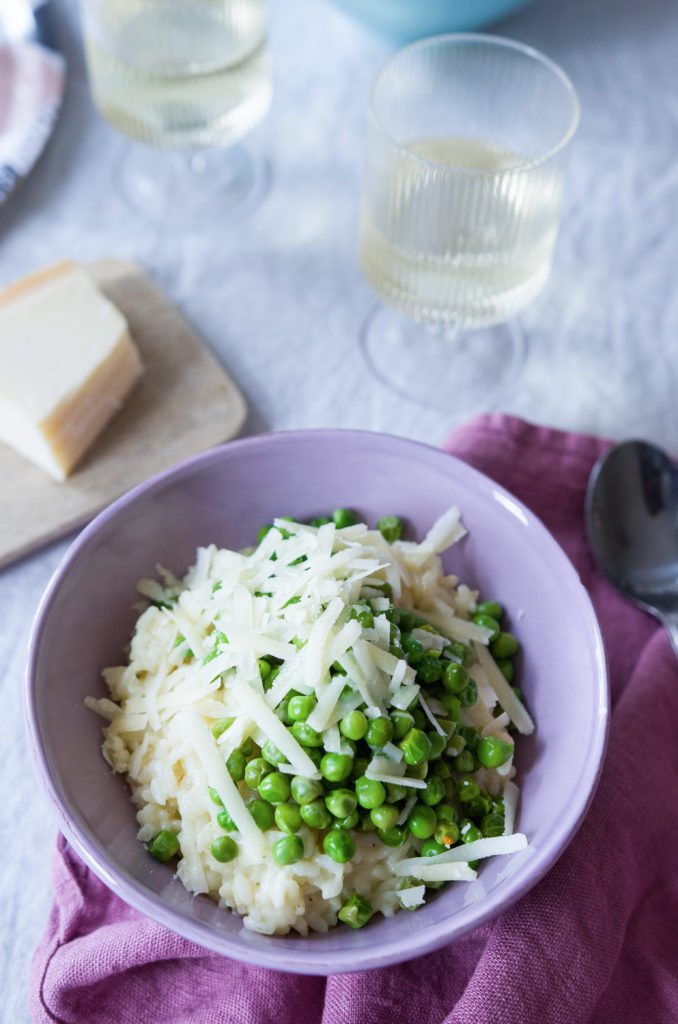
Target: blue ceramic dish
point(403, 21)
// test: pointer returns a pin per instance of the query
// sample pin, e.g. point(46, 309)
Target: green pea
point(319, 521)
point(396, 792)
point(504, 645)
point(265, 668)
point(315, 754)
point(226, 821)
point(479, 806)
point(315, 814)
point(464, 762)
point(354, 725)
point(307, 736)
point(359, 767)
point(288, 817)
point(441, 769)
point(336, 767)
point(339, 845)
point(341, 802)
point(396, 836)
point(430, 669)
point(299, 708)
point(446, 813)
point(391, 528)
point(458, 650)
point(214, 797)
point(356, 911)
point(434, 792)
point(262, 812)
point(236, 762)
point(492, 825)
point(272, 754)
point(224, 849)
point(420, 719)
point(467, 789)
point(470, 736)
point(507, 669)
point(305, 790)
point(438, 744)
point(352, 821)
point(402, 723)
point(413, 648)
point(363, 615)
point(416, 746)
point(469, 832)
point(469, 696)
point(379, 732)
point(255, 771)
point(275, 787)
point(407, 620)
point(422, 821)
point(221, 725)
point(493, 751)
point(492, 608)
point(455, 677)
point(487, 622)
point(343, 517)
point(385, 816)
point(417, 771)
point(369, 792)
point(288, 850)
point(431, 848)
point(447, 834)
point(164, 845)
point(452, 706)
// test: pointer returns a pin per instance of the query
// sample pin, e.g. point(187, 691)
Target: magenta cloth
point(595, 941)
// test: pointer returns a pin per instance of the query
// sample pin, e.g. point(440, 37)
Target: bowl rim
point(287, 956)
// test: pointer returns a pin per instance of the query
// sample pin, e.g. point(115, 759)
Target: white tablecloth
point(279, 295)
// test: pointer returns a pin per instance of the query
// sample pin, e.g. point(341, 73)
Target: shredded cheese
point(218, 776)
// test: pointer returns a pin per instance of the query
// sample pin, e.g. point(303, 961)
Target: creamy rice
point(167, 686)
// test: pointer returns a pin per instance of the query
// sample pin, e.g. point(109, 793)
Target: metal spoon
point(632, 524)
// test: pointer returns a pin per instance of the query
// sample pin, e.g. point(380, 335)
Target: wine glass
point(467, 145)
point(187, 75)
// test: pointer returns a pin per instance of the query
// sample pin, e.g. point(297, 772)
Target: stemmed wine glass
point(467, 145)
point(188, 75)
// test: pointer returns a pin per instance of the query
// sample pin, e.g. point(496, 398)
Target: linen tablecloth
point(595, 941)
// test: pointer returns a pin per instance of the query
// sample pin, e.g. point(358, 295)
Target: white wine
point(179, 73)
point(456, 231)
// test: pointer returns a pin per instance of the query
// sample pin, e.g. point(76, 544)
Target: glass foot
point(190, 188)
point(463, 371)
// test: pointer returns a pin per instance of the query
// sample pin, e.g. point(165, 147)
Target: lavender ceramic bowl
point(223, 496)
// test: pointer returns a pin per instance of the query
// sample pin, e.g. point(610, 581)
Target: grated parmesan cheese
point(196, 658)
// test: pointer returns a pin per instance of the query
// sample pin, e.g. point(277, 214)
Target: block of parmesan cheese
point(67, 361)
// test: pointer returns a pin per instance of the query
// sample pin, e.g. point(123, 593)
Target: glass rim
point(501, 42)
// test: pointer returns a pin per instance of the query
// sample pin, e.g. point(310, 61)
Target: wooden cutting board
point(184, 403)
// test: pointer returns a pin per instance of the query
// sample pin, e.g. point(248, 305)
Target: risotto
point(320, 728)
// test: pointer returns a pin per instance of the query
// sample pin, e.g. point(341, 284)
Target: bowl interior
point(224, 496)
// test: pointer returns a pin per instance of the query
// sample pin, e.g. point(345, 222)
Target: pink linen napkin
point(595, 942)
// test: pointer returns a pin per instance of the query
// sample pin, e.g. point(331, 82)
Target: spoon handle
point(670, 620)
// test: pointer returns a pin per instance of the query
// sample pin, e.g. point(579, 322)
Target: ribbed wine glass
point(467, 146)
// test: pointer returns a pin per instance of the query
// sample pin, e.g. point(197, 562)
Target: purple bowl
point(223, 496)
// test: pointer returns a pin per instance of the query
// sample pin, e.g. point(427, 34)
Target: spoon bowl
point(632, 525)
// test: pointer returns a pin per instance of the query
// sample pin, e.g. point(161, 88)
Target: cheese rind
point(68, 361)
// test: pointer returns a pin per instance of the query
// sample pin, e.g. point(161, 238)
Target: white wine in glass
point(179, 74)
point(467, 145)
